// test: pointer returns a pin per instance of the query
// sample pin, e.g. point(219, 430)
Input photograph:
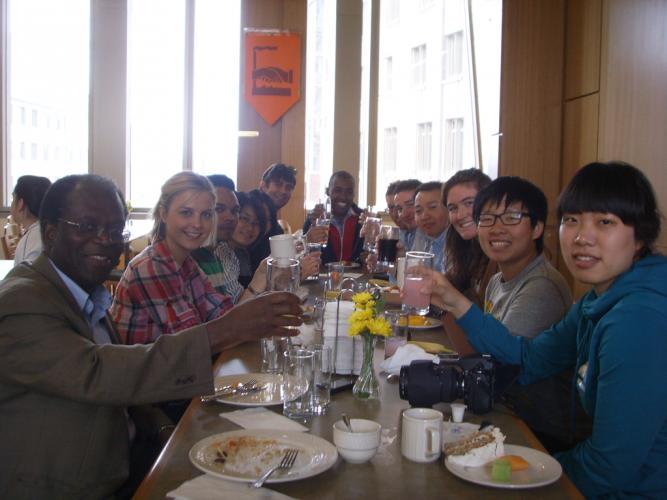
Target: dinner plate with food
point(483, 458)
point(244, 455)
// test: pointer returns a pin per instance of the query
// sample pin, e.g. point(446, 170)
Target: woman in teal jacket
point(615, 336)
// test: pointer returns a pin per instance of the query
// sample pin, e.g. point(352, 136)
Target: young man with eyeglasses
point(526, 297)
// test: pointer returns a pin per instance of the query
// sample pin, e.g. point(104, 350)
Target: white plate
point(273, 392)
point(543, 470)
point(430, 323)
point(315, 456)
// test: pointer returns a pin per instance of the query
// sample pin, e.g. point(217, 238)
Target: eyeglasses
point(507, 218)
point(116, 234)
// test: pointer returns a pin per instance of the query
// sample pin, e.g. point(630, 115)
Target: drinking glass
point(283, 275)
point(387, 245)
point(371, 230)
point(313, 248)
point(417, 265)
point(335, 274)
point(398, 335)
point(298, 384)
point(274, 349)
point(324, 221)
point(322, 369)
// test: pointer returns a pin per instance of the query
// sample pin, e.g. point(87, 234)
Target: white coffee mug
point(421, 435)
point(282, 246)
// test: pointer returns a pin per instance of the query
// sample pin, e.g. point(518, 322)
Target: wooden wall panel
point(582, 47)
point(532, 95)
point(283, 141)
point(580, 136)
point(633, 90)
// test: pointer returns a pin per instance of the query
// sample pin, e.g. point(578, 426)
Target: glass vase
point(367, 385)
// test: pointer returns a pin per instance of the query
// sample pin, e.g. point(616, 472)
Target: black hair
point(245, 200)
point(220, 180)
point(407, 185)
point(428, 186)
point(466, 262)
point(264, 199)
point(617, 188)
point(279, 172)
point(55, 199)
point(510, 189)
point(31, 189)
point(343, 174)
point(391, 188)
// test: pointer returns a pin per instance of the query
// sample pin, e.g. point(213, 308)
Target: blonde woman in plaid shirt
point(163, 290)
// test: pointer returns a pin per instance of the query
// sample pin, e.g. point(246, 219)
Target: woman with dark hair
point(468, 268)
point(26, 200)
point(613, 338)
point(252, 224)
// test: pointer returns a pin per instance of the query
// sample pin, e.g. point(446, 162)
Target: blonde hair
point(175, 185)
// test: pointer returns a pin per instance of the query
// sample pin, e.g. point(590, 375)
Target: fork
point(227, 390)
point(286, 463)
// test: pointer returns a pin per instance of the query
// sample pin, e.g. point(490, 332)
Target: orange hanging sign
point(272, 72)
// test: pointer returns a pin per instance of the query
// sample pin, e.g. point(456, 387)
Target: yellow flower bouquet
point(367, 322)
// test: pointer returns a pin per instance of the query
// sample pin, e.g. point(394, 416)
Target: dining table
point(388, 475)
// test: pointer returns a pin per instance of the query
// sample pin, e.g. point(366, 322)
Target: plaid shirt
point(155, 297)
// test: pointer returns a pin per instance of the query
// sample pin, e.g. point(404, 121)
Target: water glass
point(324, 221)
point(322, 369)
point(298, 384)
point(417, 266)
point(318, 314)
point(335, 274)
point(399, 332)
point(371, 230)
point(282, 275)
point(313, 248)
point(274, 350)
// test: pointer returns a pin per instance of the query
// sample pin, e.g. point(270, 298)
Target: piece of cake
point(476, 450)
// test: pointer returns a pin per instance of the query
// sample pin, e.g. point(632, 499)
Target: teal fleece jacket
point(618, 344)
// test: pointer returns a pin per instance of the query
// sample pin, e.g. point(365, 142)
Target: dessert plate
point(543, 470)
point(272, 392)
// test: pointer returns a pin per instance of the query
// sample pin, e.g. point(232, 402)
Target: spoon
point(346, 421)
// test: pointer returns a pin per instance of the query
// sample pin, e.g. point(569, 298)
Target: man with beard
point(68, 391)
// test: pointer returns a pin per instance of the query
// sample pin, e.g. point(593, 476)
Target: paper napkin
point(404, 355)
point(213, 488)
point(261, 418)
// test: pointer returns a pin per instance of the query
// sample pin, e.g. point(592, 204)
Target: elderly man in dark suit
point(69, 395)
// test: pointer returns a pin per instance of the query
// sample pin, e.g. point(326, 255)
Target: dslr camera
point(449, 377)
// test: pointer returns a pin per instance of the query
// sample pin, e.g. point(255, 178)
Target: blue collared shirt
point(94, 306)
point(436, 246)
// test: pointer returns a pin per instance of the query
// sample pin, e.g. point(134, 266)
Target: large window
point(179, 101)
point(423, 156)
point(418, 60)
point(183, 91)
point(440, 88)
point(48, 91)
point(320, 97)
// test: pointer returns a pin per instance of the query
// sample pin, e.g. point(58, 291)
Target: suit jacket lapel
point(43, 266)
